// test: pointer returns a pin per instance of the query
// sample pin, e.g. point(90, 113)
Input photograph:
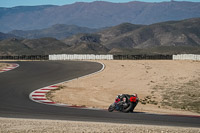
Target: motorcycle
point(127, 104)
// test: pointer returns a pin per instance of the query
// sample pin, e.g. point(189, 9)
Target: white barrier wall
point(186, 57)
point(80, 57)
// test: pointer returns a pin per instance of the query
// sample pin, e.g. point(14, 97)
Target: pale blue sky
point(12, 3)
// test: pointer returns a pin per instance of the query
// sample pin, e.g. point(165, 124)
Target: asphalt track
point(17, 84)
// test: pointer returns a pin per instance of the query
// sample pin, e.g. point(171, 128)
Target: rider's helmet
point(120, 95)
point(134, 94)
point(117, 97)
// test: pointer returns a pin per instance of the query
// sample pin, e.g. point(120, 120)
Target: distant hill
point(58, 31)
point(173, 33)
point(45, 46)
point(34, 46)
point(95, 14)
point(166, 37)
point(6, 36)
point(172, 37)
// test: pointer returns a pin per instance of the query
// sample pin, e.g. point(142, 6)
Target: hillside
point(167, 37)
point(6, 36)
point(172, 37)
point(45, 46)
point(95, 14)
point(173, 33)
point(31, 47)
point(58, 31)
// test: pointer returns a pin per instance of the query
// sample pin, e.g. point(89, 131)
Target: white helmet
point(134, 94)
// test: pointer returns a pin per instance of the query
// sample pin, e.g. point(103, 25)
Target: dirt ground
point(10, 125)
point(163, 86)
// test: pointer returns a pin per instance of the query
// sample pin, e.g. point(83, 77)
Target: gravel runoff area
point(163, 86)
point(12, 125)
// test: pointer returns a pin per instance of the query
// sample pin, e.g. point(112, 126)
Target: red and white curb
point(11, 67)
point(39, 95)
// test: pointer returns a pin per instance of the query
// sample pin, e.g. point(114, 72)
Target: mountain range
point(95, 14)
point(7, 36)
point(171, 37)
point(58, 31)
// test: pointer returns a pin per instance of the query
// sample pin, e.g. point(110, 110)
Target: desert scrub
point(49, 95)
point(148, 100)
point(185, 96)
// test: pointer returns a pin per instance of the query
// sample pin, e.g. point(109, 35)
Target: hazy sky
point(11, 3)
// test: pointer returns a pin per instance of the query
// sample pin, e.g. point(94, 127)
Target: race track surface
point(17, 84)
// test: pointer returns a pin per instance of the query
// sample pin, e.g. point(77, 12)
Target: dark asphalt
point(17, 84)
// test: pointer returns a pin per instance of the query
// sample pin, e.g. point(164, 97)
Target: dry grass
point(50, 93)
point(184, 96)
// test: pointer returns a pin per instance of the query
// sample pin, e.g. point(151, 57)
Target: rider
point(121, 98)
point(118, 101)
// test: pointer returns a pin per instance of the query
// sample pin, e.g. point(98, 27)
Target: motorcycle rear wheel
point(127, 109)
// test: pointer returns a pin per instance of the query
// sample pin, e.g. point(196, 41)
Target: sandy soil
point(149, 79)
point(10, 125)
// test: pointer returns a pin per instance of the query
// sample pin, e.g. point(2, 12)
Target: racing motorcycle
point(126, 104)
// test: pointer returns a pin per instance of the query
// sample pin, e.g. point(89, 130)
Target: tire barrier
point(108, 57)
point(102, 57)
point(143, 57)
point(186, 57)
point(80, 57)
point(25, 57)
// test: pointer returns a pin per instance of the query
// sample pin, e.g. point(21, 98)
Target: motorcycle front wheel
point(111, 108)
